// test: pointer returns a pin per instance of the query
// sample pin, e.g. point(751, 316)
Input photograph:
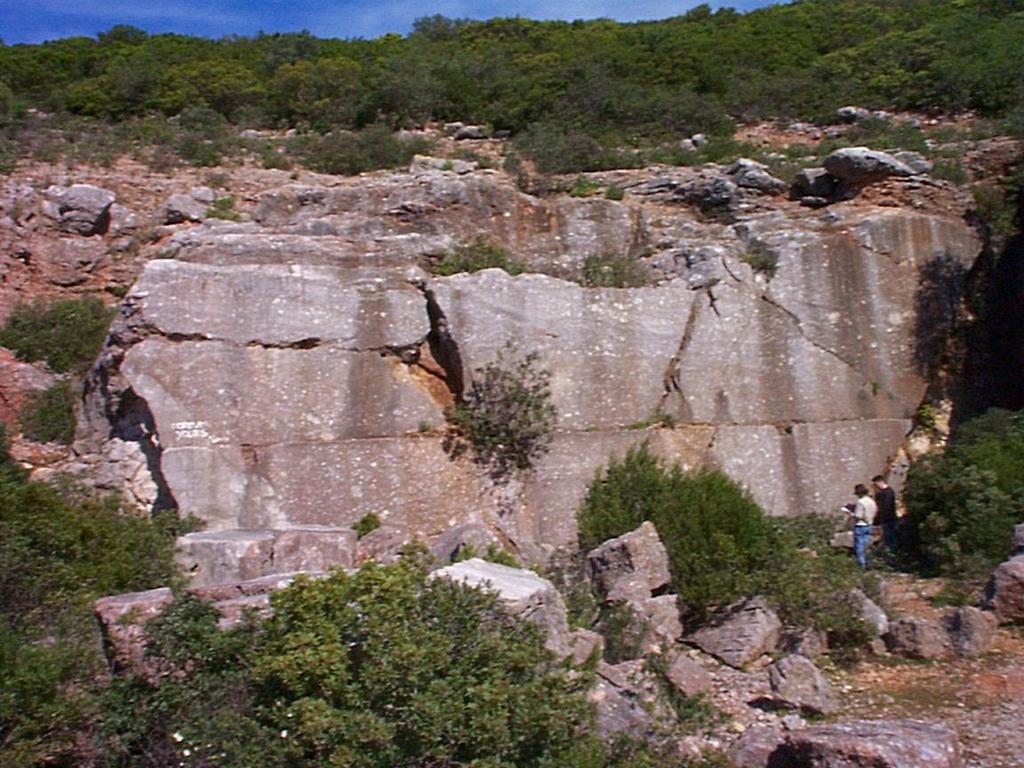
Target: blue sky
point(33, 21)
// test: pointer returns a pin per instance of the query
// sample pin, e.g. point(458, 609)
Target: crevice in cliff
point(132, 421)
point(671, 384)
point(800, 329)
point(444, 350)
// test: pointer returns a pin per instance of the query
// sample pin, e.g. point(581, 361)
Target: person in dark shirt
point(885, 498)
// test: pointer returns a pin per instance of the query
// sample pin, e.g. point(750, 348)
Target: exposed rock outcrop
point(1005, 591)
point(798, 684)
point(287, 372)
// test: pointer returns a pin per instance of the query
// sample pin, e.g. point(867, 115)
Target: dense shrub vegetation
point(49, 416)
point(65, 333)
point(506, 418)
point(579, 96)
point(720, 544)
point(60, 548)
point(383, 667)
point(962, 504)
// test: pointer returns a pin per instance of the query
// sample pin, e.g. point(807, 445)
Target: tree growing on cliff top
point(507, 416)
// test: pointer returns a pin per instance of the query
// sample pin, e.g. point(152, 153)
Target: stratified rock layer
point(295, 371)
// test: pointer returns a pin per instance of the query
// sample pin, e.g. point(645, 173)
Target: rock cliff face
point(294, 371)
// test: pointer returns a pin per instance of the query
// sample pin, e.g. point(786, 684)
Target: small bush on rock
point(506, 417)
point(475, 256)
point(49, 416)
point(611, 271)
point(66, 333)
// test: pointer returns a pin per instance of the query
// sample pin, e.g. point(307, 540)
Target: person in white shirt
point(863, 514)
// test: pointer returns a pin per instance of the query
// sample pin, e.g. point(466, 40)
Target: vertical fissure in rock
point(670, 379)
point(132, 421)
point(443, 347)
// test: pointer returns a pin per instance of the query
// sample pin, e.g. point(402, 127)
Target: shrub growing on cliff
point(66, 333)
point(477, 255)
point(380, 668)
point(507, 416)
point(49, 415)
point(962, 504)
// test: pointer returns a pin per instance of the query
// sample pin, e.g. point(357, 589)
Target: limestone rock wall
point(285, 372)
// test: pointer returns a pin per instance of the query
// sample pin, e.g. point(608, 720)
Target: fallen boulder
point(631, 567)
point(82, 209)
point(972, 630)
point(688, 676)
point(742, 634)
point(798, 684)
point(859, 166)
point(870, 744)
point(181, 208)
point(1005, 591)
point(751, 174)
point(917, 638)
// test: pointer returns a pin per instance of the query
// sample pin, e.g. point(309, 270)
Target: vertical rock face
point(295, 371)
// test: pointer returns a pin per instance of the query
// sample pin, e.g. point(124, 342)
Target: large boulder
point(972, 630)
point(870, 613)
point(631, 567)
point(859, 166)
point(81, 209)
point(918, 638)
point(870, 744)
point(751, 174)
point(1005, 591)
point(1018, 540)
point(180, 208)
point(742, 634)
point(798, 684)
point(813, 182)
point(522, 593)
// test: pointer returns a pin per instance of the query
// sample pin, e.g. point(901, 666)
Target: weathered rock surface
point(918, 638)
point(630, 568)
point(286, 372)
point(870, 744)
point(81, 209)
point(755, 747)
point(798, 684)
point(229, 556)
point(1005, 591)
point(522, 593)
point(870, 613)
point(123, 618)
point(743, 634)
point(1018, 539)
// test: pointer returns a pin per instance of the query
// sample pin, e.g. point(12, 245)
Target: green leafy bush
point(506, 417)
point(584, 187)
point(718, 539)
point(379, 668)
point(66, 333)
point(49, 415)
point(722, 547)
point(367, 523)
point(612, 271)
point(223, 208)
point(474, 256)
point(348, 153)
point(60, 549)
point(962, 504)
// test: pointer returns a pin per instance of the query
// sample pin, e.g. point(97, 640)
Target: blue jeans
point(861, 539)
point(889, 534)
